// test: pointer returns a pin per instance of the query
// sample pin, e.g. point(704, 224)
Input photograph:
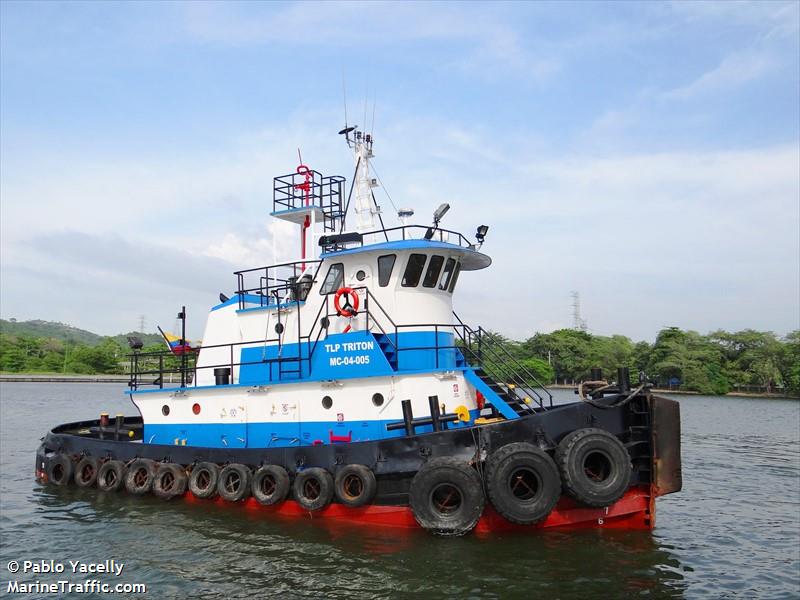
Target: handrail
point(509, 366)
point(463, 242)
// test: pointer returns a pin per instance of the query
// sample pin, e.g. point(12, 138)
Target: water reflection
point(226, 549)
point(734, 531)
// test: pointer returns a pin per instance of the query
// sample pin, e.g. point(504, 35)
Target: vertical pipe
point(433, 402)
point(183, 346)
point(117, 425)
point(623, 380)
point(408, 417)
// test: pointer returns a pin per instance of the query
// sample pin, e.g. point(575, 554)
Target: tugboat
point(343, 385)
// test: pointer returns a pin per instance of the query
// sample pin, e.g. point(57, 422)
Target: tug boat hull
point(649, 426)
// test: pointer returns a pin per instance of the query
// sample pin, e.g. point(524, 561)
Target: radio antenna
point(372, 126)
point(344, 96)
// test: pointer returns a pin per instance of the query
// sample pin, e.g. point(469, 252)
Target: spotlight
point(480, 235)
point(135, 342)
point(223, 298)
point(440, 212)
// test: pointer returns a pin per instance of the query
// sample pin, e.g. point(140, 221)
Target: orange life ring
point(348, 310)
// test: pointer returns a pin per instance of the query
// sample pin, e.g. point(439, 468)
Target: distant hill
point(61, 331)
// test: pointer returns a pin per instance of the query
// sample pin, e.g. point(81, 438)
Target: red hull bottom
point(635, 510)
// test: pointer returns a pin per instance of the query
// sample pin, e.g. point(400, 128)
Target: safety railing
point(277, 284)
point(307, 187)
point(487, 351)
point(336, 243)
point(476, 347)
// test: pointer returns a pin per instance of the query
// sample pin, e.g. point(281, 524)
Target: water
point(733, 532)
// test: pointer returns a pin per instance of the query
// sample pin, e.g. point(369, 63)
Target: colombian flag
point(174, 343)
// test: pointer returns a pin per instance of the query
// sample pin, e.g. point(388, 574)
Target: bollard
point(623, 380)
point(433, 401)
point(408, 417)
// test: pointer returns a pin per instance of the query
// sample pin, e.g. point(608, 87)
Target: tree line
point(716, 363)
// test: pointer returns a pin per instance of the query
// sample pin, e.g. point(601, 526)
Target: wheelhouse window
point(448, 273)
point(385, 266)
point(432, 274)
point(416, 262)
point(333, 280)
point(456, 273)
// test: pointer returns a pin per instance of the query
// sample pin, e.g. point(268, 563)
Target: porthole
point(196, 408)
point(327, 402)
point(165, 410)
point(279, 328)
point(377, 399)
point(361, 275)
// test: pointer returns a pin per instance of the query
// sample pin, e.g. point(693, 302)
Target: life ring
point(522, 482)
point(355, 485)
point(270, 485)
point(60, 470)
point(140, 475)
point(348, 310)
point(234, 482)
point(203, 480)
point(447, 496)
point(595, 467)
point(313, 488)
point(86, 471)
point(170, 481)
point(111, 476)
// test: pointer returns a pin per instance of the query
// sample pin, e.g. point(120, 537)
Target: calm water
point(734, 531)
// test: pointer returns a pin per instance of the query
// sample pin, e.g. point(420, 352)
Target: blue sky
point(644, 154)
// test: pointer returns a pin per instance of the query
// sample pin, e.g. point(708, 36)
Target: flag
point(174, 343)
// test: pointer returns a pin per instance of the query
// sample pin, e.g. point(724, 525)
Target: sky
point(646, 155)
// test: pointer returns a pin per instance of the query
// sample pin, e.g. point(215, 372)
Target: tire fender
point(111, 476)
point(139, 476)
point(270, 485)
point(447, 496)
point(234, 480)
point(60, 470)
point(595, 467)
point(355, 485)
point(313, 488)
point(170, 481)
point(203, 480)
point(86, 471)
point(522, 482)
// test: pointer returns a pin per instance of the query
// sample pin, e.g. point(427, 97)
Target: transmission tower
point(142, 322)
point(578, 323)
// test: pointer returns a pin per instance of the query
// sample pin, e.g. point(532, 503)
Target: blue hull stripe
point(275, 435)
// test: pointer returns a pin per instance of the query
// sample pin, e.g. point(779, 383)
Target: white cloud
point(697, 239)
point(734, 71)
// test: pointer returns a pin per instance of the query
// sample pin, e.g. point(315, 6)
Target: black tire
point(203, 480)
point(111, 476)
point(313, 488)
point(60, 470)
point(270, 485)
point(355, 485)
point(139, 476)
point(170, 481)
point(234, 482)
point(86, 471)
point(522, 482)
point(447, 497)
point(595, 467)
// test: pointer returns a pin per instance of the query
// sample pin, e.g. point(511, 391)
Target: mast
point(367, 211)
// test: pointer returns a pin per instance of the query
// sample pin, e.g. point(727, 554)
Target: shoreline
point(77, 378)
point(561, 386)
